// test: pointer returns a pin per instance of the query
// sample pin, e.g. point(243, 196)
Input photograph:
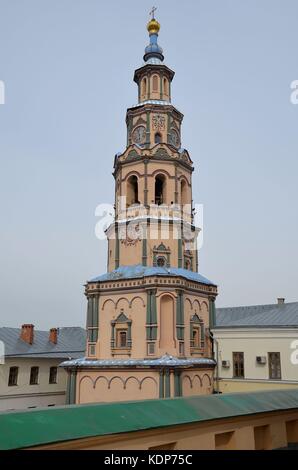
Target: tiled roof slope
point(71, 343)
point(274, 315)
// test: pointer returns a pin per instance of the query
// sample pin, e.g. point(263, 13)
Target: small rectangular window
point(238, 364)
point(92, 334)
point(181, 348)
point(121, 339)
point(274, 365)
point(150, 348)
point(53, 375)
point(13, 376)
point(91, 350)
point(196, 337)
point(34, 375)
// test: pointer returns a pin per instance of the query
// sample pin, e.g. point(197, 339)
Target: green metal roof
point(45, 426)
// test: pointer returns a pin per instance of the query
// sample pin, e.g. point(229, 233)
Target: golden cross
point(152, 12)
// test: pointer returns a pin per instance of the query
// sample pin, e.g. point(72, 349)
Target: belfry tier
point(153, 176)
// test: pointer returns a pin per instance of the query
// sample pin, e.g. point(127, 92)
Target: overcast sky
point(68, 65)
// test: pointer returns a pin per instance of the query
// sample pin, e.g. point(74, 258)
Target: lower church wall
point(116, 386)
point(113, 386)
point(197, 382)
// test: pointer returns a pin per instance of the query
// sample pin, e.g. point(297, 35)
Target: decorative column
point(177, 383)
point(176, 185)
point(169, 131)
point(148, 130)
point(151, 316)
point(212, 314)
point(167, 384)
point(71, 387)
point(180, 258)
point(113, 334)
point(129, 334)
point(117, 246)
point(180, 316)
point(161, 383)
point(146, 183)
point(92, 318)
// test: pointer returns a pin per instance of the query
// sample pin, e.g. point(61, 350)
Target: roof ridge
point(257, 306)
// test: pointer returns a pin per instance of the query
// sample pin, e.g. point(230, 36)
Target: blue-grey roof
point(165, 360)
point(160, 102)
point(272, 315)
point(71, 343)
point(138, 271)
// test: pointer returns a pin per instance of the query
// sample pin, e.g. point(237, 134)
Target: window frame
point(13, 383)
point(196, 336)
point(119, 334)
point(51, 382)
point(238, 365)
point(34, 370)
point(272, 367)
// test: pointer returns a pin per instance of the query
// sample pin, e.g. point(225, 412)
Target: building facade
point(256, 347)
point(149, 316)
point(30, 376)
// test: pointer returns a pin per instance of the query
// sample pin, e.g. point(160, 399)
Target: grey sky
point(68, 67)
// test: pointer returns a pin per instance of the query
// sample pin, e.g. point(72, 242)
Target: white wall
point(257, 342)
point(24, 395)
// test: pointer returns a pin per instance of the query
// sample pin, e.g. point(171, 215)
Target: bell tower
point(149, 316)
point(153, 176)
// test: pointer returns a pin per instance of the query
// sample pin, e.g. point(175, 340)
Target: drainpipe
point(215, 342)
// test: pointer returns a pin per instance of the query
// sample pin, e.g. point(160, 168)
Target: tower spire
point(153, 52)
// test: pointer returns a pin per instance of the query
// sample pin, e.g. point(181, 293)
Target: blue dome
point(153, 49)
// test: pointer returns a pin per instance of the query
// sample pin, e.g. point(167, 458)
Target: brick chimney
point(281, 300)
point(27, 333)
point(53, 336)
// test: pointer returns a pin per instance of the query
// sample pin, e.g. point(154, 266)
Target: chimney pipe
point(53, 337)
point(27, 333)
point(281, 300)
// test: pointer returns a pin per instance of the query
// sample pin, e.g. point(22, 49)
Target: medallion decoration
point(158, 122)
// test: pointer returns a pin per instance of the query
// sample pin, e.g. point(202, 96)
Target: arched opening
point(161, 261)
point(160, 190)
point(132, 192)
point(183, 188)
point(167, 342)
point(144, 87)
point(157, 138)
point(155, 83)
point(187, 264)
point(165, 86)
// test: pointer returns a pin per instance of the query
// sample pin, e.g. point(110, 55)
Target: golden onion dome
point(153, 26)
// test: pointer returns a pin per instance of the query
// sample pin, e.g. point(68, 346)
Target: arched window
point(132, 196)
point(161, 261)
point(183, 191)
point(121, 332)
point(161, 255)
point(187, 264)
point(197, 332)
point(155, 83)
point(166, 327)
point(160, 189)
point(165, 86)
point(144, 86)
point(157, 138)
